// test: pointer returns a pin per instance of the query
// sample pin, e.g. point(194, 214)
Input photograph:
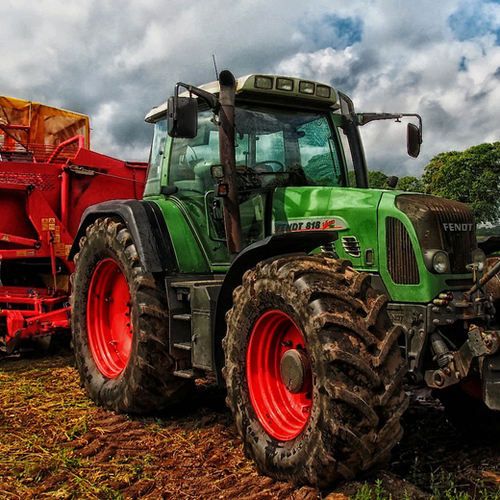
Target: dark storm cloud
point(437, 118)
point(333, 31)
point(115, 60)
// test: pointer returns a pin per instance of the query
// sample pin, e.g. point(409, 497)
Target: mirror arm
point(364, 118)
point(207, 97)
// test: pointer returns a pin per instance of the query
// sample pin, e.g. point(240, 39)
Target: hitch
point(481, 282)
point(454, 366)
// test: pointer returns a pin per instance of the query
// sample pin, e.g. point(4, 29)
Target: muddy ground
point(54, 443)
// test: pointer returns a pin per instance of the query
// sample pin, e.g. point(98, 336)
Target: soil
point(54, 443)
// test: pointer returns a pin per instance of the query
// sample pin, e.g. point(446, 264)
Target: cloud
point(409, 62)
point(332, 31)
point(115, 60)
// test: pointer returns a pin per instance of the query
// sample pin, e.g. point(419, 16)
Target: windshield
point(274, 147)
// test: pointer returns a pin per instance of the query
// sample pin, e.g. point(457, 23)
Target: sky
point(116, 59)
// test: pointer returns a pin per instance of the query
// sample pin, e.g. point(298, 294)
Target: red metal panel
point(42, 202)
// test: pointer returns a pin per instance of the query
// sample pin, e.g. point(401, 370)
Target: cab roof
point(268, 85)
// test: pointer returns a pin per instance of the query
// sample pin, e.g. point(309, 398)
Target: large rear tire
point(313, 370)
point(119, 324)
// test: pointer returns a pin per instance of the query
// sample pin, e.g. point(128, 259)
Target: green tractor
point(260, 254)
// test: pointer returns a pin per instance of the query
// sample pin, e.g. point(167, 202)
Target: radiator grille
point(459, 243)
point(401, 261)
point(442, 224)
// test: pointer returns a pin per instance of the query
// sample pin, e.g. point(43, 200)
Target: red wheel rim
point(109, 325)
point(282, 413)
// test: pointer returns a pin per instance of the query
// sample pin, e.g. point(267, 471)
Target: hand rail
point(77, 138)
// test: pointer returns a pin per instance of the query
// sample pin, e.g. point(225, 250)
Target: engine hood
point(350, 211)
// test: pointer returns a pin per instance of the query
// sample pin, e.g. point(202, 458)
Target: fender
point(147, 226)
point(272, 246)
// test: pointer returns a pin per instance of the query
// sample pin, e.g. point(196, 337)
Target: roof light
point(306, 87)
point(284, 84)
point(323, 91)
point(263, 82)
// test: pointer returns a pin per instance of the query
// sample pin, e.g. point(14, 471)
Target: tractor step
point(185, 373)
point(182, 317)
point(185, 346)
point(189, 284)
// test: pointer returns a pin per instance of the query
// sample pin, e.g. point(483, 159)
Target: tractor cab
point(276, 144)
point(288, 137)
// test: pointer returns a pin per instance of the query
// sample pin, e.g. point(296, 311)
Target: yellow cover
point(44, 124)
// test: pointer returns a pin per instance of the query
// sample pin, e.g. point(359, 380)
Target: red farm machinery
point(48, 176)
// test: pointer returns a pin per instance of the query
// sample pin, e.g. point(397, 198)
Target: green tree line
point(471, 176)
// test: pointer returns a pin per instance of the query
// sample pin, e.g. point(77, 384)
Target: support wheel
point(119, 324)
point(313, 370)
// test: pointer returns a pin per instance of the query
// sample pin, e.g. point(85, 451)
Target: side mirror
point(183, 117)
point(413, 140)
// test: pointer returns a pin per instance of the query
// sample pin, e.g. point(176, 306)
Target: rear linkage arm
point(455, 366)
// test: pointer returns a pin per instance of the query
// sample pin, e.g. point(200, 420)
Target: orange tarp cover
point(47, 125)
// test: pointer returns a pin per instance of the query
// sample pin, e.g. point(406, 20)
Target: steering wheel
point(263, 167)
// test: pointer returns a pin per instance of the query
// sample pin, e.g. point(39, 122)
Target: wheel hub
point(294, 367)
point(279, 375)
point(109, 325)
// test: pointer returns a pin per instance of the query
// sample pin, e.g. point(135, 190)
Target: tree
point(412, 184)
point(471, 176)
point(377, 180)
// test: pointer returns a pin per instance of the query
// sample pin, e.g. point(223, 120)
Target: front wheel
point(313, 370)
point(119, 324)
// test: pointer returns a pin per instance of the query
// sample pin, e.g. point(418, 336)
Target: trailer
point(48, 177)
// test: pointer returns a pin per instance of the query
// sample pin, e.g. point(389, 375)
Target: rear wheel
point(313, 370)
point(120, 324)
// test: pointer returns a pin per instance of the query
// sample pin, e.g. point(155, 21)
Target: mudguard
point(147, 226)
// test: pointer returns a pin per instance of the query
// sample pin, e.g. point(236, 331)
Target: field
point(55, 444)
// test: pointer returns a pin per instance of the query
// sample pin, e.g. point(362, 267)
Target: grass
point(48, 426)
point(55, 444)
point(43, 410)
point(443, 487)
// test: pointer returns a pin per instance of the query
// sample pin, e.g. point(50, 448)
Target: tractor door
point(190, 172)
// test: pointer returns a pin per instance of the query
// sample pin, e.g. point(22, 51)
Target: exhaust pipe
point(227, 154)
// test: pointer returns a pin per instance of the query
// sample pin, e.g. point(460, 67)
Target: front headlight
point(436, 261)
point(440, 262)
point(479, 258)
